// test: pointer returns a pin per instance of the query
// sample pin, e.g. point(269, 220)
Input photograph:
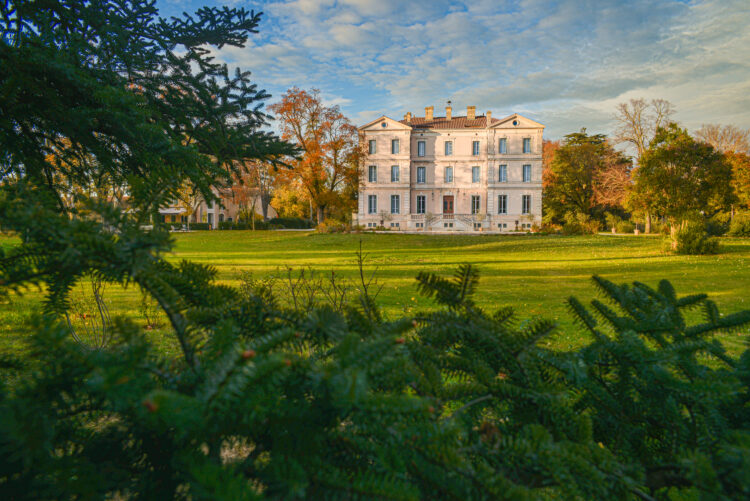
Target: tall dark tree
point(97, 90)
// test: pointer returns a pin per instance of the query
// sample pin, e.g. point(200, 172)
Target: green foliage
point(691, 238)
point(330, 225)
point(200, 226)
point(284, 403)
point(265, 401)
point(296, 223)
point(680, 178)
point(275, 223)
point(664, 393)
point(612, 220)
point(625, 227)
point(740, 225)
point(234, 225)
point(718, 224)
point(578, 179)
point(580, 224)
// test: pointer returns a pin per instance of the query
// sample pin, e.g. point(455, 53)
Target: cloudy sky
point(563, 63)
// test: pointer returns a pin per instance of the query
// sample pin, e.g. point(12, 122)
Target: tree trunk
point(321, 214)
point(648, 223)
point(265, 201)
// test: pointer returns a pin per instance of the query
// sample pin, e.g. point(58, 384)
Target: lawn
point(534, 274)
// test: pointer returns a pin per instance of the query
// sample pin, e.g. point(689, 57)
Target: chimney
point(448, 111)
point(471, 112)
point(489, 118)
point(428, 113)
point(407, 117)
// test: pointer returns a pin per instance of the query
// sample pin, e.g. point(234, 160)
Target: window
point(527, 173)
point(395, 204)
point(475, 199)
point(372, 174)
point(371, 147)
point(421, 203)
point(502, 174)
point(527, 145)
point(502, 204)
point(449, 174)
point(475, 148)
point(526, 204)
point(394, 173)
point(420, 148)
point(372, 204)
point(503, 146)
point(448, 148)
point(394, 147)
point(475, 174)
point(421, 175)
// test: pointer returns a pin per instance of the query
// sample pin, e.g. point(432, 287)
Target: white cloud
point(565, 63)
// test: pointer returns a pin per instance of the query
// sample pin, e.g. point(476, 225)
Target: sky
point(566, 64)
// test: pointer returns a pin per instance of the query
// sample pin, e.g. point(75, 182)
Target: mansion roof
point(479, 122)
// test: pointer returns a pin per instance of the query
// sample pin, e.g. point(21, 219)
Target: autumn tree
point(189, 198)
point(585, 176)
point(255, 184)
point(637, 123)
point(329, 148)
point(740, 163)
point(727, 138)
point(681, 178)
point(549, 148)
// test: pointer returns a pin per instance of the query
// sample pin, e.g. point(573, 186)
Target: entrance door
point(448, 204)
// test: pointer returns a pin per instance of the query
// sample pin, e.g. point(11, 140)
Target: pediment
point(521, 123)
point(390, 124)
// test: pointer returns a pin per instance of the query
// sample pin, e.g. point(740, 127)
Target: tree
point(261, 178)
point(549, 148)
point(189, 199)
point(740, 163)
point(329, 145)
point(637, 123)
point(680, 178)
point(726, 138)
point(580, 177)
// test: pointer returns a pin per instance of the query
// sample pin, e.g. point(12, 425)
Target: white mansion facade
point(451, 173)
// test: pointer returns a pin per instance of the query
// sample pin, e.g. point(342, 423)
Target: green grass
point(534, 274)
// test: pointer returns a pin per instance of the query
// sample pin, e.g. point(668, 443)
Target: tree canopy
point(586, 176)
point(328, 167)
point(680, 177)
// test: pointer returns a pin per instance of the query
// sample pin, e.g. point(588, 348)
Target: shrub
point(234, 225)
point(625, 227)
point(692, 238)
point(456, 399)
point(718, 225)
point(580, 224)
point(198, 226)
point(333, 226)
point(740, 226)
point(612, 220)
point(292, 222)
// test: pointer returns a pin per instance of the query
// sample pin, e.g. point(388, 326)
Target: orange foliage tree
point(330, 152)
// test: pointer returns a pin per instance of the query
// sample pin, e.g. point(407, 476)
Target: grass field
point(534, 274)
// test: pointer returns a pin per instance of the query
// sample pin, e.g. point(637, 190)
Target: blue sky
point(563, 63)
